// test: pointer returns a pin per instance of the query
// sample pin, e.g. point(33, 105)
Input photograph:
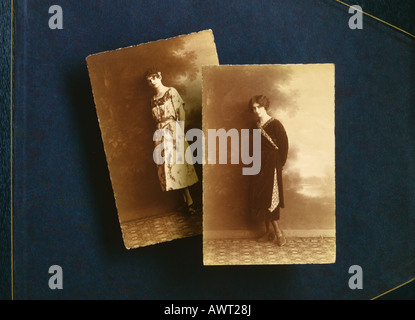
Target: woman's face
point(154, 80)
point(259, 110)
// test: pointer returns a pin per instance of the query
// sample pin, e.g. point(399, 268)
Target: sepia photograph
point(145, 95)
point(269, 177)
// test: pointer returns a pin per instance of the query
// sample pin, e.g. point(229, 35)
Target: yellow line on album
point(401, 285)
point(376, 18)
point(410, 34)
point(11, 149)
point(11, 140)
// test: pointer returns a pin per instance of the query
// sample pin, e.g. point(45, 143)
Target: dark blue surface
point(400, 14)
point(5, 147)
point(64, 212)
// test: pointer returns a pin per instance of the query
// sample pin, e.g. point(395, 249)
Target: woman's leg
point(278, 233)
point(189, 208)
point(267, 236)
point(187, 197)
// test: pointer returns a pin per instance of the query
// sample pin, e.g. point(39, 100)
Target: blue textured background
point(5, 230)
point(64, 211)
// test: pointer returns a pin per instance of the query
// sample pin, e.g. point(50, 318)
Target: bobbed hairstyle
point(152, 71)
point(262, 100)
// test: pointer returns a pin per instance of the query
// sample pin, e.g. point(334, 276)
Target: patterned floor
point(250, 252)
point(149, 231)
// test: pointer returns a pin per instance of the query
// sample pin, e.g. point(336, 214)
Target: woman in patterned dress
point(266, 193)
point(167, 109)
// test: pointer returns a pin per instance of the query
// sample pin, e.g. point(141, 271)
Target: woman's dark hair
point(151, 71)
point(263, 101)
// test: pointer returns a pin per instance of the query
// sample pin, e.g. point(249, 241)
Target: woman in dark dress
point(266, 193)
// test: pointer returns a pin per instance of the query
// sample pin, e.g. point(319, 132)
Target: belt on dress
point(163, 124)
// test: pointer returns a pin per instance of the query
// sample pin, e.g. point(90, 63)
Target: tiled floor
point(250, 252)
point(174, 225)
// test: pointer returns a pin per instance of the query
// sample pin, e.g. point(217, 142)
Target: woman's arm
point(282, 141)
point(178, 105)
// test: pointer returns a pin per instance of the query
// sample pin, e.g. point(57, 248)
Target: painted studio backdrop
point(122, 97)
point(302, 99)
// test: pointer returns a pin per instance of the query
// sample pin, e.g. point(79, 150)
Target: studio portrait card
point(270, 199)
point(137, 91)
point(206, 150)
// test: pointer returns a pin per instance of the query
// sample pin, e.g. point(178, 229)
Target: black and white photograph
point(140, 92)
point(271, 198)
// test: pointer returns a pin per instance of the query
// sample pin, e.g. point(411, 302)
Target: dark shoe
point(191, 209)
point(265, 237)
point(182, 208)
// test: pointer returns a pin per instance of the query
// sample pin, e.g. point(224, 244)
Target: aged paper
point(274, 204)
point(137, 91)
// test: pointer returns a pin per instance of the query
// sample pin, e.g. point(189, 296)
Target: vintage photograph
point(147, 97)
point(269, 177)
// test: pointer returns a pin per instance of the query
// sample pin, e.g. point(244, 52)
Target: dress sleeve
point(154, 111)
point(282, 141)
point(178, 104)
